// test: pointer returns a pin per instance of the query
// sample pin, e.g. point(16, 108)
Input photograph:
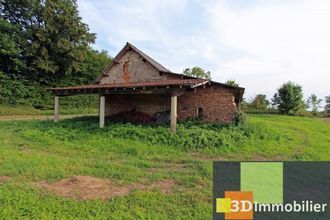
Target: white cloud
point(282, 42)
point(261, 46)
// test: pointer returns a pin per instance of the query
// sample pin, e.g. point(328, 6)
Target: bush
point(189, 135)
point(24, 92)
point(19, 91)
point(302, 112)
point(240, 118)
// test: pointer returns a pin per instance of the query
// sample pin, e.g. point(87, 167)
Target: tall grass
point(189, 135)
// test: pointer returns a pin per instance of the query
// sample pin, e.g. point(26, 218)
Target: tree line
point(287, 100)
point(44, 43)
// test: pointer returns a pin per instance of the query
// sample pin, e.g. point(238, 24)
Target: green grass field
point(139, 158)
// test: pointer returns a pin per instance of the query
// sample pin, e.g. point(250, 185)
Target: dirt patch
point(4, 179)
point(87, 187)
point(327, 120)
point(84, 187)
point(165, 186)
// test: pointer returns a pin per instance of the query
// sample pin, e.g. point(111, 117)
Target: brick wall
point(132, 68)
point(217, 104)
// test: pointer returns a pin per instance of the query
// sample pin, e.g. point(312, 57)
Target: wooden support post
point(56, 108)
point(102, 110)
point(173, 112)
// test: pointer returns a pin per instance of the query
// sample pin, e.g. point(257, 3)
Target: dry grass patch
point(87, 187)
point(4, 179)
point(165, 186)
point(170, 168)
point(205, 157)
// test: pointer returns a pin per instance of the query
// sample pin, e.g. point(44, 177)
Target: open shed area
point(136, 84)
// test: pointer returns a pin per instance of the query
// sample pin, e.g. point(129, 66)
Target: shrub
point(240, 118)
point(189, 135)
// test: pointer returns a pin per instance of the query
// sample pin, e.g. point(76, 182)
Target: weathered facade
point(216, 103)
point(134, 82)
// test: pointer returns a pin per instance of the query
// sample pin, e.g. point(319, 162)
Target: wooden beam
point(173, 112)
point(107, 91)
point(177, 92)
point(56, 108)
point(199, 84)
point(102, 110)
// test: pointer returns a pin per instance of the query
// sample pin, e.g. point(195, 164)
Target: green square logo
point(265, 180)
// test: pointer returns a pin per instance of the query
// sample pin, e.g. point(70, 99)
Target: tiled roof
point(162, 83)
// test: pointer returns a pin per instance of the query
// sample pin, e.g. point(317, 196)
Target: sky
point(259, 43)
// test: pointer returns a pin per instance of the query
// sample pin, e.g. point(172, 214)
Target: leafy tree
point(44, 43)
point(197, 72)
point(94, 63)
point(327, 105)
point(259, 102)
point(10, 59)
point(313, 102)
point(232, 82)
point(55, 39)
point(289, 98)
point(275, 100)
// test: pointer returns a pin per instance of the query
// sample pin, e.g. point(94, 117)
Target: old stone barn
point(136, 86)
